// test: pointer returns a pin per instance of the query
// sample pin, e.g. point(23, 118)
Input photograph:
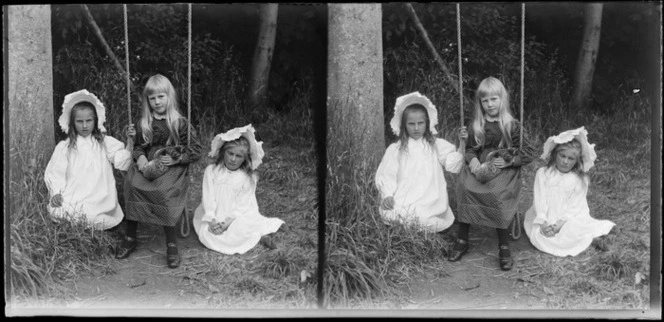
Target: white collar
point(158, 117)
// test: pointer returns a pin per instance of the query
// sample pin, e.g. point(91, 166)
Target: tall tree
point(585, 65)
point(260, 67)
point(29, 83)
point(355, 81)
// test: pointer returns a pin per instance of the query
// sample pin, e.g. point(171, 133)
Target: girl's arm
point(386, 175)
point(526, 153)
point(192, 153)
point(539, 198)
point(209, 197)
point(55, 174)
point(116, 153)
point(450, 159)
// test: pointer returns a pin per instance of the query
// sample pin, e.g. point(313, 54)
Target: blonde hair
point(574, 145)
point(488, 87)
point(158, 84)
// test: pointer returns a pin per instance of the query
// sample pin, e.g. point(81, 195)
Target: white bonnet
point(75, 98)
point(410, 99)
point(588, 154)
point(255, 147)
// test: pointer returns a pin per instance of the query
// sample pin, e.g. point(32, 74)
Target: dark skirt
point(493, 204)
point(160, 201)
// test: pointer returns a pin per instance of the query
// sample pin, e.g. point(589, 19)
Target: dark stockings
point(503, 234)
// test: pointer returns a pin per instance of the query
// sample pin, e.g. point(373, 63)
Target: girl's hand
point(500, 163)
point(546, 230)
point(131, 131)
point(387, 203)
point(141, 162)
point(463, 134)
point(215, 227)
point(167, 160)
point(226, 223)
point(474, 165)
point(557, 226)
point(56, 201)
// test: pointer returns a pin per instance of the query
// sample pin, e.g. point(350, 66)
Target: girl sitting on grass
point(410, 176)
point(491, 203)
point(159, 201)
point(79, 176)
point(559, 221)
point(227, 220)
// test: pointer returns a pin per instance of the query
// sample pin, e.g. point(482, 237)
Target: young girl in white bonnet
point(79, 176)
point(410, 176)
point(228, 220)
point(559, 220)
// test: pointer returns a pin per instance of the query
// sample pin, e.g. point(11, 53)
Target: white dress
point(231, 194)
point(416, 180)
point(84, 177)
point(557, 196)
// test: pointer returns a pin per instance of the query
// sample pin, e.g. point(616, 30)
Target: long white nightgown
point(557, 196)
point(417, 182)
point(84, 177)
point(231, 194)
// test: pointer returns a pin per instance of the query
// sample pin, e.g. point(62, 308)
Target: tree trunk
point(355, 82)
point(260, 67)
point(29, 85)
point(585, 65)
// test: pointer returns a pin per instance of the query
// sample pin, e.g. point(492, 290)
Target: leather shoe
point(460, 247)
point(506, 261)
point(172, 256)
point(125, 248)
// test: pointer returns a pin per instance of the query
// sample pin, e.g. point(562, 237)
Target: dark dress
point(494, 203)
point(162, 200)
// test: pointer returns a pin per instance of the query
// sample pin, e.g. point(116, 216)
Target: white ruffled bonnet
point(410, 99)
point(75, 98)
point(588, 154)
point(255, 147)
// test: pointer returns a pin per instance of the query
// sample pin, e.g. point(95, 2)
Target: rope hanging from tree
point(185, 226)
point(516, 223)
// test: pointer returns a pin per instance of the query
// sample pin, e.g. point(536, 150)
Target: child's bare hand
point(474, 165)
point(131, 131)
point(141, 162)
point(463, 134)
point(215, 227)
point(167, 160)
point(501, 163)
point(388, 203)
point(56, 201)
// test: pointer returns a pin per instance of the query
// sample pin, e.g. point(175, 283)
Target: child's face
point(416, 123)
point(566, 159)
point(158, 103)
point(84, 121)
point(234, 157)
point(491, 105)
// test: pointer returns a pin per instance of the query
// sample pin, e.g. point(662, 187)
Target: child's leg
point(461, 245)
point(172, 256)
point(504, 253)
point(128, 244)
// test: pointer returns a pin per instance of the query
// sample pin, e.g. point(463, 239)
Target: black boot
point(505, 255)
point(460, 247)
point(126, 247)
point(172, 256)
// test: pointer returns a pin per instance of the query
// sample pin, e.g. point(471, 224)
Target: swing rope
point(185, 227)
point(458, 16)
point(516, 224)
point(127, 76)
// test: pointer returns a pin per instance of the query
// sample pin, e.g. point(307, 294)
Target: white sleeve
point(448, 157)
point(209, 197)
point(117, 154)
point(55, 174)
point(386, 175)
point(539, 197)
